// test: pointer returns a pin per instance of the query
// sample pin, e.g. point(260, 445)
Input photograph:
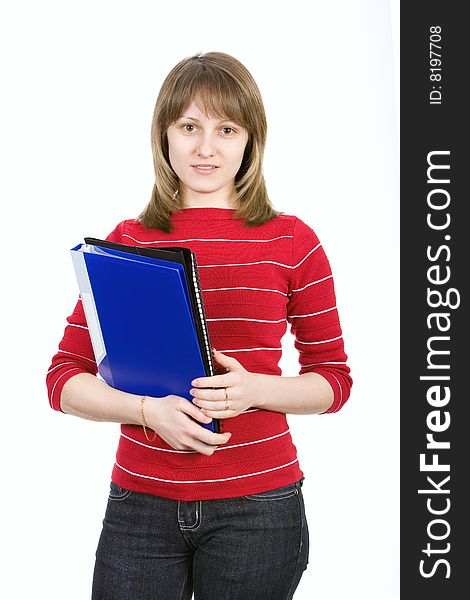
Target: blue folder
point(146, 317)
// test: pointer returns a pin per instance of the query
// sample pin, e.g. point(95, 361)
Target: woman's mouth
point(205, 169)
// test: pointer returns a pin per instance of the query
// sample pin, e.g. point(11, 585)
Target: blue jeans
point(246, 548)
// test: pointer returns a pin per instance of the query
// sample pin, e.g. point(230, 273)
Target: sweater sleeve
point(75, 351)
point(313, 315)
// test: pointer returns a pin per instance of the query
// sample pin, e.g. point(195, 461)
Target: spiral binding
point(202, 314)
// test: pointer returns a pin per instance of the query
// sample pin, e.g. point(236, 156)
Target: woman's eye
point(190, 128)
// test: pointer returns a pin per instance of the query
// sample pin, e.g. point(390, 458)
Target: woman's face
point(196, 141)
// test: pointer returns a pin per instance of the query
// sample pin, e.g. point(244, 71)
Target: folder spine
point(89, 306)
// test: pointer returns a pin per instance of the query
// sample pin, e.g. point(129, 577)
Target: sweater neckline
point(205, 212)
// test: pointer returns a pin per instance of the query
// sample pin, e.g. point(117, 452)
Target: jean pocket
point(117, 492)
point(286, 491)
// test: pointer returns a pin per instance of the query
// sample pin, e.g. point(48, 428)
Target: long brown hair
point(220, 85)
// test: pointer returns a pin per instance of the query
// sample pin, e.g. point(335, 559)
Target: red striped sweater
point(254, 281)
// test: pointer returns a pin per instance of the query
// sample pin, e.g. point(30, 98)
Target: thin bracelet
point(144, 422)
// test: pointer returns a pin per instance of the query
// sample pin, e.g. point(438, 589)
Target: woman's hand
point(242, 388)
point(170, 416)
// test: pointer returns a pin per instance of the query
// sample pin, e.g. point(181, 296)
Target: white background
point(79, 81)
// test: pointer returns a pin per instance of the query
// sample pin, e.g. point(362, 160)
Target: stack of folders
point(145, 314)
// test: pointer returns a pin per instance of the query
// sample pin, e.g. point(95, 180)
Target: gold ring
point(227, 407)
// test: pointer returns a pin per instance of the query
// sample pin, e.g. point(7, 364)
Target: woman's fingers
point(199, 438)
point(194, 411)
point(205, 435)
point(210, 447)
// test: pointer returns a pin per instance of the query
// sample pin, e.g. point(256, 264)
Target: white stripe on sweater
point(320, 312)
point(77, 355)
point(262, 262)
point(321, 341)
point(340, 394)
point(206, 480)
point(57, 381)
point(226, 447)
point(68, 362)
point(242, 319)
point(75, 325)
point(257, 262)
point(312, 283)
point(243, 288)
point(324, 363)
point(229, 240)
point(203, 240)
point(247, 349)
point(306, 256)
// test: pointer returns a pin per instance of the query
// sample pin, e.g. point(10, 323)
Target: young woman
point(218, 514)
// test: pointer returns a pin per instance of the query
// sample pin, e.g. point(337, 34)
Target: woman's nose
point(206, 145)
